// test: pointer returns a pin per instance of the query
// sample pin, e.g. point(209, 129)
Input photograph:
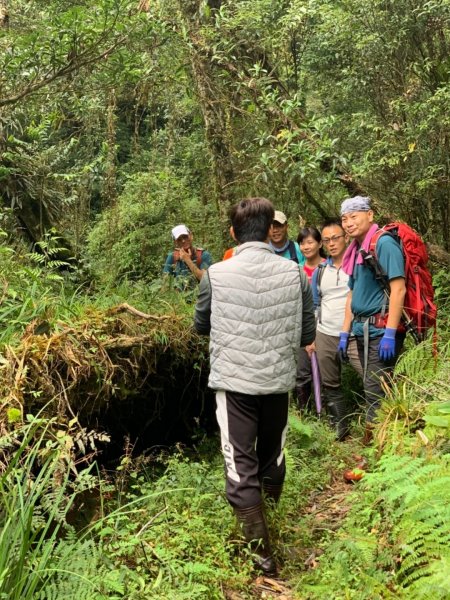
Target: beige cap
point(280, 217)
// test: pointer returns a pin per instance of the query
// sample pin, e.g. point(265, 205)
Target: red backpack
point(419, 307)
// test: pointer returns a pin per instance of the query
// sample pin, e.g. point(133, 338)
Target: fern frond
point(415, 497)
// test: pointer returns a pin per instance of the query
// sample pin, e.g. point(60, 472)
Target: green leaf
point(438, 421)
point(444, 408)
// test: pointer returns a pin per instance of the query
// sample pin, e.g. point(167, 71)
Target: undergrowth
point(183, 541)
point(395, 541)
point(164, 528)
point(41, 557)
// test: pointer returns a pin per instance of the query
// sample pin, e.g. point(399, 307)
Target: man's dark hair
point(251, 219)
point(330, 221)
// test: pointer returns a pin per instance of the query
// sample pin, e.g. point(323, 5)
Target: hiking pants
point(330, 364)
point(304, 374)
point(253, 432)
point(378, 372)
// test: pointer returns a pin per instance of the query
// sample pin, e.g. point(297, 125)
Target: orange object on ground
point(358, 472)
point(353, 475)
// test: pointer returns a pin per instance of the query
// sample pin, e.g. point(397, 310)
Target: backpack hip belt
point(378, 320)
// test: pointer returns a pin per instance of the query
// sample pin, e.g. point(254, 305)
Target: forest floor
point(323, 513)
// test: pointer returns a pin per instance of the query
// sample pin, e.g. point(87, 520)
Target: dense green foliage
point(392, 544)
point(41, 557)
point(121, 118)
point(165, 530)
point(168, 111)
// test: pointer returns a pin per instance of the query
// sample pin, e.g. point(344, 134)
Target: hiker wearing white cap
point(279, 241)
point(186, 263)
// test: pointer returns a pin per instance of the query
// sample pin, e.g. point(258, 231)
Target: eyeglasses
point(332, 239)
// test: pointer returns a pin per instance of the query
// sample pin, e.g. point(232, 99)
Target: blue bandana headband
point(356, 204)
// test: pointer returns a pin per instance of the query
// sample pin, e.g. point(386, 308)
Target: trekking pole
point(380, 276)
point(316, 382)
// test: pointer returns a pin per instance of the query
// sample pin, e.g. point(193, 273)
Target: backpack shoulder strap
point(371, 260)
point(198, 256)
point(320, 271)
point(293, 252)
point(373, 242)
point(391, 230)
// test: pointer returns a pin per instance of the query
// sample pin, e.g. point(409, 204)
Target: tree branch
point(72, 66)
point(125, 307)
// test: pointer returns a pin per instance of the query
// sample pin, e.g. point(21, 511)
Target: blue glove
point(343, 345)
point(386, 349)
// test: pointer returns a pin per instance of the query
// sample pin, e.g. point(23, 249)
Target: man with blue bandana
point(369, 315)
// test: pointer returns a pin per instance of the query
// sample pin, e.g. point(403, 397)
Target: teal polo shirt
point(286, 254)
point(181, 271)
point(367, 295)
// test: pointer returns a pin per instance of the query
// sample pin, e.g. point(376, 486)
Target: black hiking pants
point(253, 433)
point(378, 372)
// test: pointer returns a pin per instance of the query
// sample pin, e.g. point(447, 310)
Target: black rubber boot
point(303, 394)
point(337, 411)
point(255, 531)
point(271, 491)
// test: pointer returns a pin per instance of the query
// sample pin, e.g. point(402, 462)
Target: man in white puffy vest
point(257, 308)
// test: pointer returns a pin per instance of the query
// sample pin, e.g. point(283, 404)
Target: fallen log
point(120, 373)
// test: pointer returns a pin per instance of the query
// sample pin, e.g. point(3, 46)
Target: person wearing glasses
point(330, 290)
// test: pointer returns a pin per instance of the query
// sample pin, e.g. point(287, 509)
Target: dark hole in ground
point(171, 406)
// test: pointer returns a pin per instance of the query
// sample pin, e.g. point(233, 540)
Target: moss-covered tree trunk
point(212, 105)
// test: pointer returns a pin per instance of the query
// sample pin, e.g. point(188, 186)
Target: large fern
point(415, 498)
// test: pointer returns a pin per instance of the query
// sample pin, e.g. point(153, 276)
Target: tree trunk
point(213, 108)
point(4, 16)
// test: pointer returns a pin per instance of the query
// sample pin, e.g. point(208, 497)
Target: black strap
point(292, 252)
point(320, 272)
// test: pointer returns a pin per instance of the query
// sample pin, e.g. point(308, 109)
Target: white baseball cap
point(179, 230)
point(280, 217)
